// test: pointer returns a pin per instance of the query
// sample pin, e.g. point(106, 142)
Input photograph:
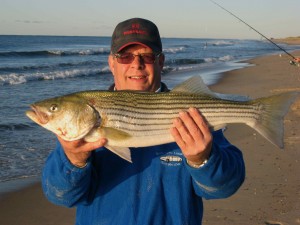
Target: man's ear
point(111, 62)
point(161, 60)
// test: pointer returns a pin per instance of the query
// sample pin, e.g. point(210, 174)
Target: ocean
point(33, 68)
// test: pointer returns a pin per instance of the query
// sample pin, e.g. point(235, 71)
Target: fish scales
point(135, 119)
point(156, 111)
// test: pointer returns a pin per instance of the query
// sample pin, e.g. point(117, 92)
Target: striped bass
point(138, 119)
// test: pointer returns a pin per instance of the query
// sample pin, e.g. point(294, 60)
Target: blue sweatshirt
point(158, 188)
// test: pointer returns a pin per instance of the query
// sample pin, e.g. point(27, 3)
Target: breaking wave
point(22, 68)
point(49, 53)
point(14, 78)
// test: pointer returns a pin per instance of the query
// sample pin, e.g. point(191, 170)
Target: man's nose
point(138, 62)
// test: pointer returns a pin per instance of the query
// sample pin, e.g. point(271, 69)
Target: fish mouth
point(37, 115)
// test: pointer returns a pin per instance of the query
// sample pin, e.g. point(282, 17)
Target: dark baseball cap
point(136, 31)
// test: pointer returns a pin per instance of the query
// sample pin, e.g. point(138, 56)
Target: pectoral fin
point(123, 152)
point(115, 134)
point(106, 132)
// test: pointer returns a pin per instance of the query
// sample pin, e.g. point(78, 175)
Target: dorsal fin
point(194, 85)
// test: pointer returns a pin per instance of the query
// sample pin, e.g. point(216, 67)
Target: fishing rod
point(293, 62)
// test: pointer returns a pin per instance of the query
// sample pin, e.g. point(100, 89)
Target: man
point(165, 184)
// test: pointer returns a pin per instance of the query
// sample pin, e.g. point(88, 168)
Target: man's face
point(137, 75)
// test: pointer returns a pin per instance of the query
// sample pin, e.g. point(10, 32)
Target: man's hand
point(193, 136)
point(79, 151)
point(297, 59)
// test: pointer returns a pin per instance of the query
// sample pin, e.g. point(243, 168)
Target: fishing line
point(293, 62)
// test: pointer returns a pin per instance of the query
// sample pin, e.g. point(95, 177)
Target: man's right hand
point(79, 151)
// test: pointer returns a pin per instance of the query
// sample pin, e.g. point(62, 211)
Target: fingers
point(192, 135)
point(79, 151)
point(191, 126)
point(81, 145)
point(200, 122)
point(177, 133)
point(90, 146)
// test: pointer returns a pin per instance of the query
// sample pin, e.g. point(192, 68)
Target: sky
point(174, 18)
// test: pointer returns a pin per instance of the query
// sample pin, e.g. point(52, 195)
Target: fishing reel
point(295, 62)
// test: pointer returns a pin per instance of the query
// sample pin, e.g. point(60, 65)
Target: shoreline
point(271, 191)
point(11, 186)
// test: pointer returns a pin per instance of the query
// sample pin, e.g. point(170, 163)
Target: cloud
point(29, 21)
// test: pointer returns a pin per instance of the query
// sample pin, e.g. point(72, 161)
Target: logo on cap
point(135, 29)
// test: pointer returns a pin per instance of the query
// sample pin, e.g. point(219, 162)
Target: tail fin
point(270, 124)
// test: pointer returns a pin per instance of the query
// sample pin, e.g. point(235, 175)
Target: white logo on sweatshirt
point(174, 159)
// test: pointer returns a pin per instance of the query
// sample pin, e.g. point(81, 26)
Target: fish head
point(70, 117)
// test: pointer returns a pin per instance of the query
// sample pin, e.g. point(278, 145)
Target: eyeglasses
point(127, 58)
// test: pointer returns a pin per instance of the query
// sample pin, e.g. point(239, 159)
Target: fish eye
point(53, 108)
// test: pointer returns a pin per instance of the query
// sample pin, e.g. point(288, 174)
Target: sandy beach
point(271, 192)
point(287, 40)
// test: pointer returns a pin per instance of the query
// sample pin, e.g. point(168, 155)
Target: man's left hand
point(192, 134)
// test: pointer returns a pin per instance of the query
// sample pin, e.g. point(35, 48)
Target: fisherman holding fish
point(163, 183)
